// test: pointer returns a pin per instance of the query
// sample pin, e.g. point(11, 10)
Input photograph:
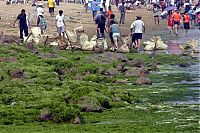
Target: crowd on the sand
point(181, 13)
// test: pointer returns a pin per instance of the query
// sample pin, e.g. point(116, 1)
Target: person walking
point(122, 10)
point(114, 28)
point(198, 19)
point(23, 23)
point(39, 11)
point(176, 19)
point(137, 29)
point(186, 23)
point(170, 21)
point(94, 5)
point(112, 18)
point(100, 21)
point(51, 5)
point(60, 24)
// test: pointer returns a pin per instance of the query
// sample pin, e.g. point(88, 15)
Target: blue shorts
point(51, 9)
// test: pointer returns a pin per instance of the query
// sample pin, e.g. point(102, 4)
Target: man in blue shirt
point(23, 27)
point(94, 6)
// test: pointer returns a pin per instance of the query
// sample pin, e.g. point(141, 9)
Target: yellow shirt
point(51, 3)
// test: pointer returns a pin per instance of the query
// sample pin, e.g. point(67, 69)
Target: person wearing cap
point(23, 25)
point(186, 22)
point(176, 19)
point(137, 29)
point(39, 11)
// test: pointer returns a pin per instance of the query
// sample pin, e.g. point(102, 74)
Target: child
point(60, 23)
point(109, 12)
point(114, 28)
point(186, 22)
point(170, 21)
point(42, 23)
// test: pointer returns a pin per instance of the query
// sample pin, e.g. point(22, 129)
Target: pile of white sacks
point(154, 44)
point(75, 38)
point(190, 47)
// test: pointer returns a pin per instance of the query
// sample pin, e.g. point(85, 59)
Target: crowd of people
point(105, 21)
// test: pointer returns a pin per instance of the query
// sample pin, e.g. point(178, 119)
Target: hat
point(40, 4)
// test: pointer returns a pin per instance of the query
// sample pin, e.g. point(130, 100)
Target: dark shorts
point(186, 25)
point(138, 36)
point(176, 22)
point(51, 9)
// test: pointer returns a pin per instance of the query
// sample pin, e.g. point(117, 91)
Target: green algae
point(134, 108)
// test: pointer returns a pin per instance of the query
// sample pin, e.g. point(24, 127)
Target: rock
point(98, 49)
point(16, 74)
point(89, 104)
point(78, 77)
point(77, 120)
point(143, 79)
point(46, 115)
point(152, 66)
point(120, 67)
point(136, 63)
point(124, 70)
point(184, 65)
point(59, 71)
point(132, 72)
point(8, 59)
point(122, 81)
point(111, 72)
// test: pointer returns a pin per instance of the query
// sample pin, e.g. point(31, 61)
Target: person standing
point(176, 19)
point(104, 8)
point(94, 5)
point(137, 29)
point(86, 5)
point(60, 24)
point(39, 11)
point(23, 26)
point(122, 10)
point(198, 19)
point(186, 22)
point(51, 5)
point(109, 12)
point(112, 18)
point(156, 14)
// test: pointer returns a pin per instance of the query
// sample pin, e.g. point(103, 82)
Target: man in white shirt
point(137, 28)
point(60, 23)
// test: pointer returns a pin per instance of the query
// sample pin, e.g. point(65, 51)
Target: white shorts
point(116, 36)
point(60, 29)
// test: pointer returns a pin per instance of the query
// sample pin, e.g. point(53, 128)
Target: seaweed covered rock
point(143, 79)
point(89, 104)
point(46, 115)
point(136, 63)
point(111, 72)
point(132, 72)
point(16, 74)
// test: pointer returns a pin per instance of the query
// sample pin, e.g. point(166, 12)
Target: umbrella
point(170, 8)
point(197, 10)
